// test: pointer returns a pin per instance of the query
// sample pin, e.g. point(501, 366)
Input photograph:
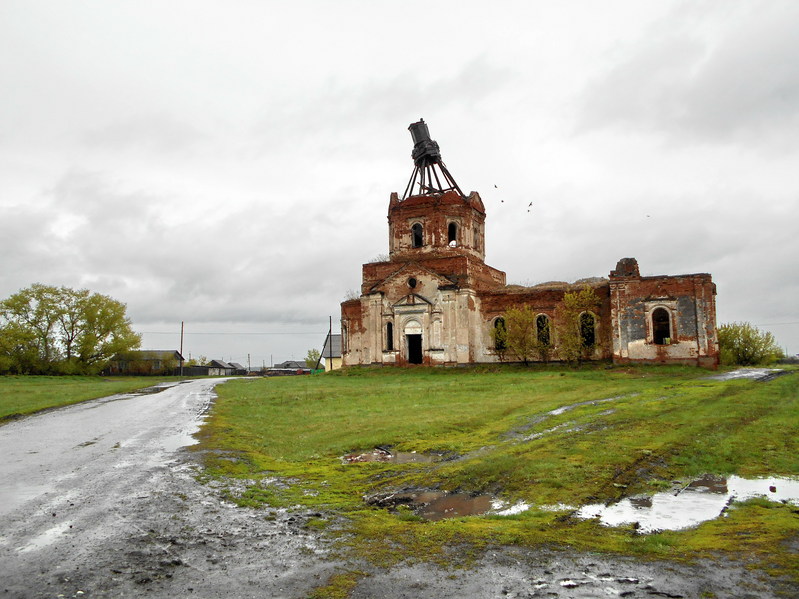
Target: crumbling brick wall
point(689, 301)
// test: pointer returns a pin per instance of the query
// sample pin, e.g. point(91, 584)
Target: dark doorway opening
point(661, 326)
point(414, 349)
point(587, 330)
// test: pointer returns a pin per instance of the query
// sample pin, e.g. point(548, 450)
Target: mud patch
point(435, 505)
point(384, 454)
point(519, 433)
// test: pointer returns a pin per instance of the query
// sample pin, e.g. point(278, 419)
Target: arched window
point(389, 336)
point(587, 329)
point(500, 334)
point(661, 326)
point(452, 234)
point(417, 236)
point(542, 329)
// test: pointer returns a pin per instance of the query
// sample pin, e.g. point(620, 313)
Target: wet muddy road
point(99, 500)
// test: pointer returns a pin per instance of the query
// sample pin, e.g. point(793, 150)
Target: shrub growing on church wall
point(574, 342)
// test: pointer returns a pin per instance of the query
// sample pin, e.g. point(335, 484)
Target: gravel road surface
point(98, 500)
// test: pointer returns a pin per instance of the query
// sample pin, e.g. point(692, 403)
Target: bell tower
point(434, 218)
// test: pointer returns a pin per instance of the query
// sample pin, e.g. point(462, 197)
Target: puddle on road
point(172, 443)
point(704, 499)
point(48, 537)
point(156, 388)
point(380, 454)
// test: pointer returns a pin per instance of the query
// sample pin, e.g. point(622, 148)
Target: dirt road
point(99, 500)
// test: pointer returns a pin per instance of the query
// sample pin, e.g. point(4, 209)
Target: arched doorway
point(661, 326)
point(413, 341)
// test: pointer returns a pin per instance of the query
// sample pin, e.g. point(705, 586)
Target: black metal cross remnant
point(428, 164)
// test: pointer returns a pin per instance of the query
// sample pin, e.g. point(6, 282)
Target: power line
point(230, 333)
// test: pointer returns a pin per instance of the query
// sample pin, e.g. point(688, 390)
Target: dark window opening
point(500, 334)
point(587, 329)
point(389, 336)
point(412, 283)
point(417, 239)
point(452, 233)
point(414, 349)
point(542, 329)
point(661, 326)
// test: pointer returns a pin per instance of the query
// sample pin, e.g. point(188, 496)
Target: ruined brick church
point(435, 300)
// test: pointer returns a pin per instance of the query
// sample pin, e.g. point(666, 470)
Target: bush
point(744, 344)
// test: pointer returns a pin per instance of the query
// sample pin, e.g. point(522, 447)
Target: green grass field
point(21, 395)
point(494, 433)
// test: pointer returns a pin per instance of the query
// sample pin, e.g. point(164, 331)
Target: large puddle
point(704, 499)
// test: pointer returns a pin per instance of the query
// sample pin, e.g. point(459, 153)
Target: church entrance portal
point(413, 341)
point(414, 349)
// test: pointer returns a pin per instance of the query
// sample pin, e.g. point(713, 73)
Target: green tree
point(70, 317)
point(575, 325)
point(48, 329)
point(36, 310)
point(19, 352)
point(744, 344)
point(522, 335)
point(312, 358)
point(499, 336)
point(106, 331)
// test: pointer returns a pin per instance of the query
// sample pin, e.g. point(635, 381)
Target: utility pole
point(330, 343)
point(181, 348)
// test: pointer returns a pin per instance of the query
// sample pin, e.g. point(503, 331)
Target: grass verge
point(22, 395)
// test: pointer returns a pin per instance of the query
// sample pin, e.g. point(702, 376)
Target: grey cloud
point(150, 132)
point(288, 266)
point(326, 116)
point(687, 85)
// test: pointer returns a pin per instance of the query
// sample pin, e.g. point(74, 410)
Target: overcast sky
point(229, 164)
